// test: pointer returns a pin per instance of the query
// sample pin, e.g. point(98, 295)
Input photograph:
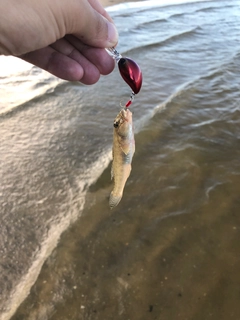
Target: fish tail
point(114, 200)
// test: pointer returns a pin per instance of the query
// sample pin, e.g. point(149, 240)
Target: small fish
point(123, 150)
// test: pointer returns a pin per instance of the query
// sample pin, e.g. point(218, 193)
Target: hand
point(65, 37)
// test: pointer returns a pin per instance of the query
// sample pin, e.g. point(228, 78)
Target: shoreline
point(108, 3)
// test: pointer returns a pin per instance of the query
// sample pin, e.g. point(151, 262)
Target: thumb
point(92, 27)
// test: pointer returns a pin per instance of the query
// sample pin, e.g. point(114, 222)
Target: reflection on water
point(170, 250)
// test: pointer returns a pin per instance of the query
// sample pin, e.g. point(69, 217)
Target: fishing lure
point(130, 72)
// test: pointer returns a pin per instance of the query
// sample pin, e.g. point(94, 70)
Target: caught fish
point(123, 150)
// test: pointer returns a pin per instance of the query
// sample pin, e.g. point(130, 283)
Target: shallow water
point(170, 250)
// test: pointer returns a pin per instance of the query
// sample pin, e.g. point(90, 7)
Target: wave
point(177, 15)
point(170, 39)
point(231, 63)
point(148, 23)
point(217, 71)
point(214, 8)
point(39, 91)
point(147, 4)
point(179, 91)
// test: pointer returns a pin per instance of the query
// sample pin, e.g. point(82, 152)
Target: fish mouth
point(123, 116)
point(125, 113)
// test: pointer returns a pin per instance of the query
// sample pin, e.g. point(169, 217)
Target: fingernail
point(112, 34)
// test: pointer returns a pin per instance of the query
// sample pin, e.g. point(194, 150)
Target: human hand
point(65, 37)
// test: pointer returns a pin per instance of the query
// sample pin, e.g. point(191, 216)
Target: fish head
point(122, 122)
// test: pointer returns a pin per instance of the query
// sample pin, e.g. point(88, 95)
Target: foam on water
point(53, 234)
point(148, 4)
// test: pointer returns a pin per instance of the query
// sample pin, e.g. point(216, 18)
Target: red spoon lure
point(130, 72)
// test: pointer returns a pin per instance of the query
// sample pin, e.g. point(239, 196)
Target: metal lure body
point(123, 150)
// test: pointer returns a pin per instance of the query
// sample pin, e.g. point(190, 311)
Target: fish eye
point(116, 124)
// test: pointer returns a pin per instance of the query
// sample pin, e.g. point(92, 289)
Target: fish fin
point(125, 147)
point(112, 172)
point(114, 200)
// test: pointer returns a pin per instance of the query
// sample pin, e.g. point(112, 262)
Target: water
point(170, 250)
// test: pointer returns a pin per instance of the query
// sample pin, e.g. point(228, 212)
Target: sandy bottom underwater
point(145, 259)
